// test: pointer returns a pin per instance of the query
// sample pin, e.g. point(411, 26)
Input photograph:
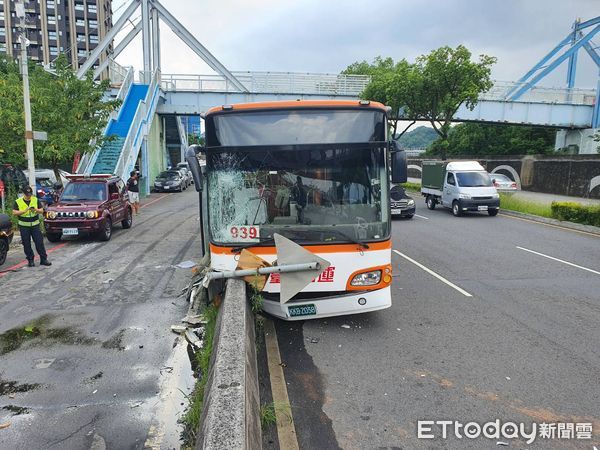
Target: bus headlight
point(366, 278)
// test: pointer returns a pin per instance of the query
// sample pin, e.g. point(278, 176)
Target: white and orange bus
point(315, 172)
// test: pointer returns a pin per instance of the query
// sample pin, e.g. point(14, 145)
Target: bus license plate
point(70, 231)
point(302, 310)
point(482, 208)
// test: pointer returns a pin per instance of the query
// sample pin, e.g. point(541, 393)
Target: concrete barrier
point(231, 410)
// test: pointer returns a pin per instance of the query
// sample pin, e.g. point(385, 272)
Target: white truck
point(459, 185)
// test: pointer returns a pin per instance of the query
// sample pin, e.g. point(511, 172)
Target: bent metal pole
point(263, 271)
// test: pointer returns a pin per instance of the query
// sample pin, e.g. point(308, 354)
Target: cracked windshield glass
point(319, 193)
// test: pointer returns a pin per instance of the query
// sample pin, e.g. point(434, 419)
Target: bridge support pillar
point(577, 141)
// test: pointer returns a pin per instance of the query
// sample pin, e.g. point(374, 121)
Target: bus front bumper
point(361, 302)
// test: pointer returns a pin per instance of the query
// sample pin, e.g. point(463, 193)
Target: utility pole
point(20, 9)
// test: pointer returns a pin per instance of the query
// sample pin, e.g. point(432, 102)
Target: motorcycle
point(6, 236)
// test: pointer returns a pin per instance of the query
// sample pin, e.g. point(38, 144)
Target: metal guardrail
point(350, 85)
point(117, 73)
point(572, 96)
point(143, 114)
point(270, 82)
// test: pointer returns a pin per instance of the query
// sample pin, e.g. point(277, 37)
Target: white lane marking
point(421, 217)
point(431, 272)
point(559, 260)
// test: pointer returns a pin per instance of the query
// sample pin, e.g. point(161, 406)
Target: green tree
point(396, 85)
point(495, 139)
point(195, 139)
point(432, 89)
point(70, 110)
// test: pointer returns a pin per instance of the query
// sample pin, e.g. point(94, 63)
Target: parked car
point(187, 175)
point(502, 183)
point(6, 236)
point(47, 186)
point(89, 204)
point(48, 174)
point(170, 180)
point(12, 178)
point(186, 167)
point(402, 205)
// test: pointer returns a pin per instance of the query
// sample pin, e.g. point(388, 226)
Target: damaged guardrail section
point(231, 411)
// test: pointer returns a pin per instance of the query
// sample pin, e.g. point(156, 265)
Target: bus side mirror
point(191, 156)
point(399, 164)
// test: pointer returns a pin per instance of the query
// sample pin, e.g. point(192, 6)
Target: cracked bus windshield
point(309, 193)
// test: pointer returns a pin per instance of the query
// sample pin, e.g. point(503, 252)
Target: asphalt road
point(523, 347)
point(86, 346)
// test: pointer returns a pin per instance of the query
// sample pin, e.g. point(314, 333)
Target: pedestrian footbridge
point(149, 121)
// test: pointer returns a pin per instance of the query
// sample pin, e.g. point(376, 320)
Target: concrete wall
point(231, 410)
point(568, 175)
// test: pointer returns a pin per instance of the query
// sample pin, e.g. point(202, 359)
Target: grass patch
point(512, 203)
point(191, 418)
point(256, 302)
point(416, 187)
point(268, 413)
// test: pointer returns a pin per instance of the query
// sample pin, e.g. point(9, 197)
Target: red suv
point(89, 204)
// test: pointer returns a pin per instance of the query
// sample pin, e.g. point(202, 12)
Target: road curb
point(554, 222)
point(231, 411)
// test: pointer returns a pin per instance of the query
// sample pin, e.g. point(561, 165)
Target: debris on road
point(193, 338)
point(314, 340)
point(95, 390)
point(504, 444)
point(508, 378)
point(194, 320)
point(179, 329)
point(4, 425)
point(186, 265)
point(110, 280)
point(345, 326)
point(44, 363)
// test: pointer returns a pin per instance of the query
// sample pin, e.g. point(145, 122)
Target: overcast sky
point(326, 36)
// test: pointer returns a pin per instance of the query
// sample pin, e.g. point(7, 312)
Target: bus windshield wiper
point(350, 238)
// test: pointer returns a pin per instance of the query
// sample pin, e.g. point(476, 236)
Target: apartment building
point(53, 27)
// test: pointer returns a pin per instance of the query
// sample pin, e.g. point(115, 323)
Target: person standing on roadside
point(133, 190)
point(26, 208)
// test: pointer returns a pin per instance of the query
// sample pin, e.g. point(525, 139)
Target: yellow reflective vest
point(30, 218)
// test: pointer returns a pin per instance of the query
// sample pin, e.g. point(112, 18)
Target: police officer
point(26, 208)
